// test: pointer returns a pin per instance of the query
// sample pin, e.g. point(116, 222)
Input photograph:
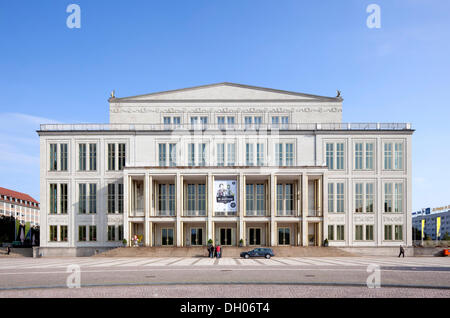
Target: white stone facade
point(167, 193)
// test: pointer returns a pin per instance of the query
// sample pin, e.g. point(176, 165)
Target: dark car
point(258, 252)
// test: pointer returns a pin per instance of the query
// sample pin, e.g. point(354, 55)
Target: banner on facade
point(28, 231)
point(423, 227)
point(438, 228)
point(225, 196)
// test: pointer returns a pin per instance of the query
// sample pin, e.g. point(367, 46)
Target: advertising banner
point(438, 228)
point(423, 227)
point(225, 196)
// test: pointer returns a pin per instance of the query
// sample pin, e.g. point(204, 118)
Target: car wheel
point(267, 256)
point(246, 256)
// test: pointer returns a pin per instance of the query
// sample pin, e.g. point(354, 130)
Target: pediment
point(226, 92)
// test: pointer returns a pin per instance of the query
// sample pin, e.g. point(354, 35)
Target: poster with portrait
point(225, 195)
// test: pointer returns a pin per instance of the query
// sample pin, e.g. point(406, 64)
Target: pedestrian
point(402, 251)
point(210, 253)
point(218, 251)
point(8, 250)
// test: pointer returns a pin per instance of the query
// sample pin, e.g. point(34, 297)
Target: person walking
point(8, 250)
point(402, 251)
point(218, 251)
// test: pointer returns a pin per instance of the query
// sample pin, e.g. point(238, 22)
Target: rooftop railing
point(223, 127)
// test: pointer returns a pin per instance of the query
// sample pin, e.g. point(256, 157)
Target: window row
point(85, 233)
point(87, 157)
point(226, 121)
point(365, 198)
point(365, 232)
point(364, 155)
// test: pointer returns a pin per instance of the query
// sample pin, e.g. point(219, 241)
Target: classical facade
point(19, 205)
point(229, 163)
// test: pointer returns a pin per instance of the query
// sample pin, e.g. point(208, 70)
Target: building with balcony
point(19, 205)
point(226, 162)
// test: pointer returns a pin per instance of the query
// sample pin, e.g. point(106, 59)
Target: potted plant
point(124, 242)
point(241, 242)
point(325, 243)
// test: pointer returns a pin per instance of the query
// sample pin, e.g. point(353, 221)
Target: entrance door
point(284, 236)
point(167, 236)
point(254, 236)
point(225, 236)
point(196, 236)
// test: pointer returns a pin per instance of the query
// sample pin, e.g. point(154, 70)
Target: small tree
point(210, 241)
point(124, 242)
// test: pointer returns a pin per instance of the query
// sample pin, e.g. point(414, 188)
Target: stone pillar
point(150, 233)
point(126, 208)
point(241, 225)
point(325, 205)
point(273, 202)
point(178, 191)
point(210, 207)
point(304, 209)
point(299, 210)
point(146, 209)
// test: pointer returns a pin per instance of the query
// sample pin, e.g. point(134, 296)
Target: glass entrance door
point(167, 236)
point(225, 236)
point(254, 236)
point(196, 236)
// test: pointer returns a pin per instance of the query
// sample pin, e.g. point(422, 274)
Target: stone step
point(285, 251)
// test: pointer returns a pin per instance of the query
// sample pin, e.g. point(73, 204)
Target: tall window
point(111, 233)
point(364, 197)
point(53, 157)
point(289, 154)
point(335, 154)
point(63, 157)
point(196, 200)
point(53, 233)
point(330, 197)
point(231, 154)
point(173, 155)
point(249, 154)
point(359, 197)
point(388, 232)
point(393, 197)
point(166, 199)
point(167, 236)
point(284, 235)
point(364, 155)
point(82, 157)
point(358, 232)
point(285, 199)
point(120, 232)
point(63, 198)
point(259, 154)
point(331, 232)
point(82, 198)
point(369, 232)
point(340, 197)
point(121, 156)
point(111, 157)
point(63, 233)
point(340, 232)
point(336, 197)
point(120, 197)
point(221, 122)
point(393, 156)
point(111, 198)
point(53, 199)
point(255, 199)
point(92, 156)
point(162, 155)
point(398, 232)
point(230, 121)
point(92, 233)
point(191, 154)
point(82, 233)
point(202, 154)
point(92, 198)
point(221, 154)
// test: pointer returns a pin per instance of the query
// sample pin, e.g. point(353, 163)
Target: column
point(241, 209)
point(178, 191)
point(299, 211)
point(210, 207)
point(325, 205)
point(273, 225)
point(150, 233)
point(126, 210)
point(304, 209)
point(146, 209)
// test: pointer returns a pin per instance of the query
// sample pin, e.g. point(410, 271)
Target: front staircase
point(227, 251)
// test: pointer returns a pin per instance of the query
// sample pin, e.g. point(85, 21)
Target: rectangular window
point(220, 155)
point(340, 156)
point(53, 233)
point(358, 232)
point(167, 237)
point(177, 121)
point(393, 156)
point(359, 197)
point(398, 197)
point(82, 233)
point(111, 198)
point(63, 157)
point(398, 162)
point(53, 157)
point(122, 155)
point(258, 121)
point(340, 197)
point(284, 236)
point(393, 197)
point(202, 155)
point(388, 232)
point(284, 122)
point(111, 156)
point(369, 197)
point(230, 121)
point(369, 232)
point(92, 233)
point(63, 233)
point(388, 156)
point(162, 155)
point(63, 198)
point(260, 199)
point(111, 233)
point(398, 233)
point(92, 156)
point(275, 122)
point(248, 122)
point(359, 156)
point(120, 197)
point(259, 154)
point(249, 199)
point(330, 155)
point(369, 156)
point(330, 197)
point(340, 232)
point(82, 157)
point(167, 121)
point(82, 198)
point(173, 155)
point(120, 232)
point(289, 154)
point(249, 154)
point(92, 198)
point(278, 155)
point(221, 122)
point(231, 154)
point(388, 197)
point(331, 232)
point(191, 154)
point(53, 199)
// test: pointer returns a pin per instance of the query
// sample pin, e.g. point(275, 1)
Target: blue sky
point(398, 73)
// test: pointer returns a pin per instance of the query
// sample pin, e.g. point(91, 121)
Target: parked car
point(258, 252)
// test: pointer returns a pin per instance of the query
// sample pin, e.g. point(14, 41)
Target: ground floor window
point(167, 236)
point(331, 232)
point(284, 235)
point(358, 232)
point(111, 233)
point(398, 232)
point(53, 233)
point(92, 233)
point(388, 232)
point(63, 233)
point(120, 236)
point(369, 232)
point(254, 236)
point(340, 232)
point(82, 233)
point(225, 236)
point(196, 236)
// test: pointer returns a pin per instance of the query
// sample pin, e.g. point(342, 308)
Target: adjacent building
point(19, 205)
point(229, 163)
point(435, 221)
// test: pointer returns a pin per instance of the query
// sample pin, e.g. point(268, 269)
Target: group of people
point(214, 251)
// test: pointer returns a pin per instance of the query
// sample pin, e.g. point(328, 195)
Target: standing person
point(402, 251)
point(8, 250)
point(218, 251)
